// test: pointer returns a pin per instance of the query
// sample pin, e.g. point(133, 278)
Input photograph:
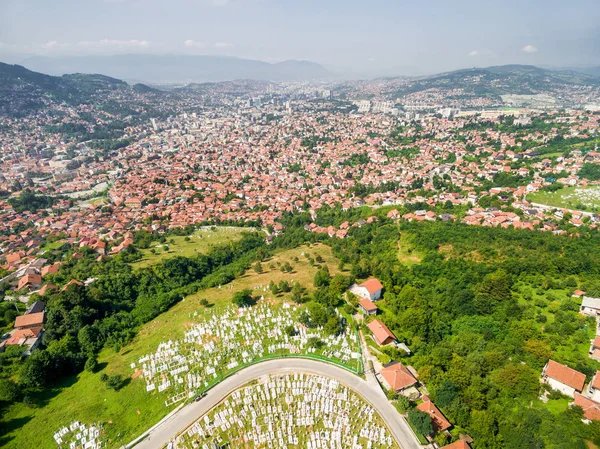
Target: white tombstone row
point(238, 336)
point(290, 411)
point(78, 435)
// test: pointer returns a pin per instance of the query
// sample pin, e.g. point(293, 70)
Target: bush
point(421, 421)
point(403, 404)
point(9, 391)
point(243, 298)
point(314, 342)
point(115, 382)
point(91, 364)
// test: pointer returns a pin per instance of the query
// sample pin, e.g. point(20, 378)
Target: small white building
point(370, 289)
point(594, 388)
point(590, 306)
point(562, 378)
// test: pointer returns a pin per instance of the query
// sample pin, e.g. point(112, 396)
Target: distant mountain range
point(23, 90)
point(179, 68)
point(500, 80)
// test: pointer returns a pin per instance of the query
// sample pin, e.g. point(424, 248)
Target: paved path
point(168, 429)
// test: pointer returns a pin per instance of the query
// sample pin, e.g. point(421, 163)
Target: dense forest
point(483, 312)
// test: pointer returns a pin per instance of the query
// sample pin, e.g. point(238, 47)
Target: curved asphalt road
point(370, 391)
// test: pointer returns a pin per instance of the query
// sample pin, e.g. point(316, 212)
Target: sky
point(376, 37)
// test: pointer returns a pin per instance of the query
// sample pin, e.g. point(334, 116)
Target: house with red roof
point(397, 377)
point(593, 391)
point(591, 409)
point(562, 378)
point(595, 349)
point(381, 334)
point(367, 307)
point(370, 289)
point(71, 282)
point(31, 280)
point(458, 444)
point(438, 420)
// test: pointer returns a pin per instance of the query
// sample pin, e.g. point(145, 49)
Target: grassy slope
point(407, 254)
point(127, 413)
point(200, 242)
point(558, 199)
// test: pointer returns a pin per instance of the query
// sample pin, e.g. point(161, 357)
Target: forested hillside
point(483, 312)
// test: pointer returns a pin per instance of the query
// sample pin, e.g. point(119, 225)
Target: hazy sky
point(370, 36)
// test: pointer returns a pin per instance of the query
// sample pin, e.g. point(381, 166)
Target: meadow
point(202, 240)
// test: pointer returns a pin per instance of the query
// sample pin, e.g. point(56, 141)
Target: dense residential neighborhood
point(434, 243)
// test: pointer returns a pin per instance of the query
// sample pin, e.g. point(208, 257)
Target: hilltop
point(496, 81)
point(23, 90)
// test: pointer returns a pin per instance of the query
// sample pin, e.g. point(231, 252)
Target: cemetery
point(223, 342)
point(80, 436)
point(293, 411)
point(577, 198)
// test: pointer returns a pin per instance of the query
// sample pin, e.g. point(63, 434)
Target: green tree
point(421, 421)
point(322, 278)
point(243, 298)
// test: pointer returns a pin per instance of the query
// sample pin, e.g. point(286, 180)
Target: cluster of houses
point(395, 376)
point(28, 329)
point(571, 383)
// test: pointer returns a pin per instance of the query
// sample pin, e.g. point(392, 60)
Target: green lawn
point(200, 242)
point(578, 198)
point(127, 413)
point(407, 253)
point(556, 406)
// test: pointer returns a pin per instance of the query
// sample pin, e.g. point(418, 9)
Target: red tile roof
point(591, 409)
point(380, 331)
point(460, 444)
point(565, 375)
point(30, 319)
point(596, 381)
point(372, 285)
point(439, 421)
point(368, 305)
point(398, 376)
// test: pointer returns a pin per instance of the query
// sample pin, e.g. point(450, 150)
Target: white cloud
point(474, 53)
point(193, 44)
point(50, 45)
point(223, 45)
point(529, 49)
point(115, 43)
point(219, 2)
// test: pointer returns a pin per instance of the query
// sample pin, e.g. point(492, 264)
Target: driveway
point(168, 429)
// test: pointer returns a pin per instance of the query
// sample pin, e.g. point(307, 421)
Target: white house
point(590, 306)
point(594, 388)
point(370, 289)
point(562, 378)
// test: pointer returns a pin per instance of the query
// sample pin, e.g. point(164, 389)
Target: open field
point(290, 411)
point(577, 198)
point(130, 411)
point(201, 241)
point(407, 254)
